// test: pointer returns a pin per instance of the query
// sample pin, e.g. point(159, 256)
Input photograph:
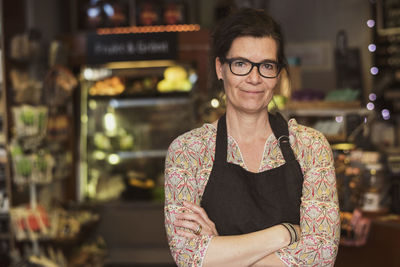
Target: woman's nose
point(254, 76)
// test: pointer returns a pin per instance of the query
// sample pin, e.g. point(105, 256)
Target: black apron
point(239, 201)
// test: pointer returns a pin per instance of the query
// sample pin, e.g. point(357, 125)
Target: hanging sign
point(130, 47)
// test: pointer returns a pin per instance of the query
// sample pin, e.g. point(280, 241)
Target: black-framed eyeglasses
point(242, 67)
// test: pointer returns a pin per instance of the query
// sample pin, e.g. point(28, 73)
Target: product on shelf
point(58, 127)
point(175, 79)
point(141, 183)
point(148, 13)
point(174, 13)
point(354, 228)
point(57, 224)
point(107, 189)
point(101, 141)
point(307, 95)
point(109, 86)
point(59, 84)
point(27, 88)
point(29, 224)
point(34, 167)
point(343, 95)
point(30, 121)
point(24, 47)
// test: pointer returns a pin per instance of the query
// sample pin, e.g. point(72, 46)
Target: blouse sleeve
point(180, 184)
point(319, 210)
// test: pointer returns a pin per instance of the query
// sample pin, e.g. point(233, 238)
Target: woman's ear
point(218, 68)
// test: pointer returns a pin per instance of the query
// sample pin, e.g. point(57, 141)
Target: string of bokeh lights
point(374, 70)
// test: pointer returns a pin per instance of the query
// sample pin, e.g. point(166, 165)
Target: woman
point(251, 189)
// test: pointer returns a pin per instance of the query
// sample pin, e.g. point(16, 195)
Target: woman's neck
point(245, 127)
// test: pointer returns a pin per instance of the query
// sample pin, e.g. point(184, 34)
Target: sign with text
point(130, 47)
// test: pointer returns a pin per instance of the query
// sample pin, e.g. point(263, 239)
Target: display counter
point(381, 249)
point(134, 233)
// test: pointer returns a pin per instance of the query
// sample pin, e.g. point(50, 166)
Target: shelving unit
point(147, 120)
point(338, 121)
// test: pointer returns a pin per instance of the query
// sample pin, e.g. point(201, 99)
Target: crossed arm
point(253, 249)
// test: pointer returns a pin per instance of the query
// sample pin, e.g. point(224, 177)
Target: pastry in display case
point(131, 112)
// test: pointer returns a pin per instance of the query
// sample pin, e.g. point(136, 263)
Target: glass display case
point(130, 113)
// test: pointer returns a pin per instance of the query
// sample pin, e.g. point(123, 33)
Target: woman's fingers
point(186, 234)
point(196, 221)
point(191, 225)
point(199, 210)
point(191, 216)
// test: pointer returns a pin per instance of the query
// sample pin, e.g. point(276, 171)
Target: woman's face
point(250, 93)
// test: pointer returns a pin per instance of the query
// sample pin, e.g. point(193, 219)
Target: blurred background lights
point(108, 9)
point(110, 123)
point(372, 97)
point(374, 70)
point(193, 78)
point(93, 11)
point(339, 119)
point(91, 74)
point(385, 114)
point(88, 74)
point(99, 155)
point(214, 103)
point(372, 48)
point(113, 159)
point(371, 23)
point(370, 106)
point(92, 104)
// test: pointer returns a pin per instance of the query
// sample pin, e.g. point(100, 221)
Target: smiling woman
point(251, 189)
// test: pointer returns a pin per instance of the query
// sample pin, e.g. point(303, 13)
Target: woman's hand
point(195, 222)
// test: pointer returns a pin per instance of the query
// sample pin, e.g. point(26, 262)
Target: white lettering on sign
point(152, 47)
point(131, 48)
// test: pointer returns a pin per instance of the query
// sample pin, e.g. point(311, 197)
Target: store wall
point(319, 21)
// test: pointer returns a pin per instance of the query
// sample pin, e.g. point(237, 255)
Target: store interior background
point(122, 232)
point(315, 21)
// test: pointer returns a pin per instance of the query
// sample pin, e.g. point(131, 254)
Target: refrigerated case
point(129, 116)
point(128, 122)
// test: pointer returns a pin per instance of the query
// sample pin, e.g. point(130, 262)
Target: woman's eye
point(268, 66)
point(240, 64)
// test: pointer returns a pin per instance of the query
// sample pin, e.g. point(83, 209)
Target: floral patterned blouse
point(188, 166)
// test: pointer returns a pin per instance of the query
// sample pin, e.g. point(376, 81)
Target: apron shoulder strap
point(281, 131)
point(221, 144)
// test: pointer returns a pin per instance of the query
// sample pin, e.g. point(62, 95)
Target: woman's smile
point(253, 92)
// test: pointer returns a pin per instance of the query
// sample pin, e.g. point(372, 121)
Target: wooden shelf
point(313, 105)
